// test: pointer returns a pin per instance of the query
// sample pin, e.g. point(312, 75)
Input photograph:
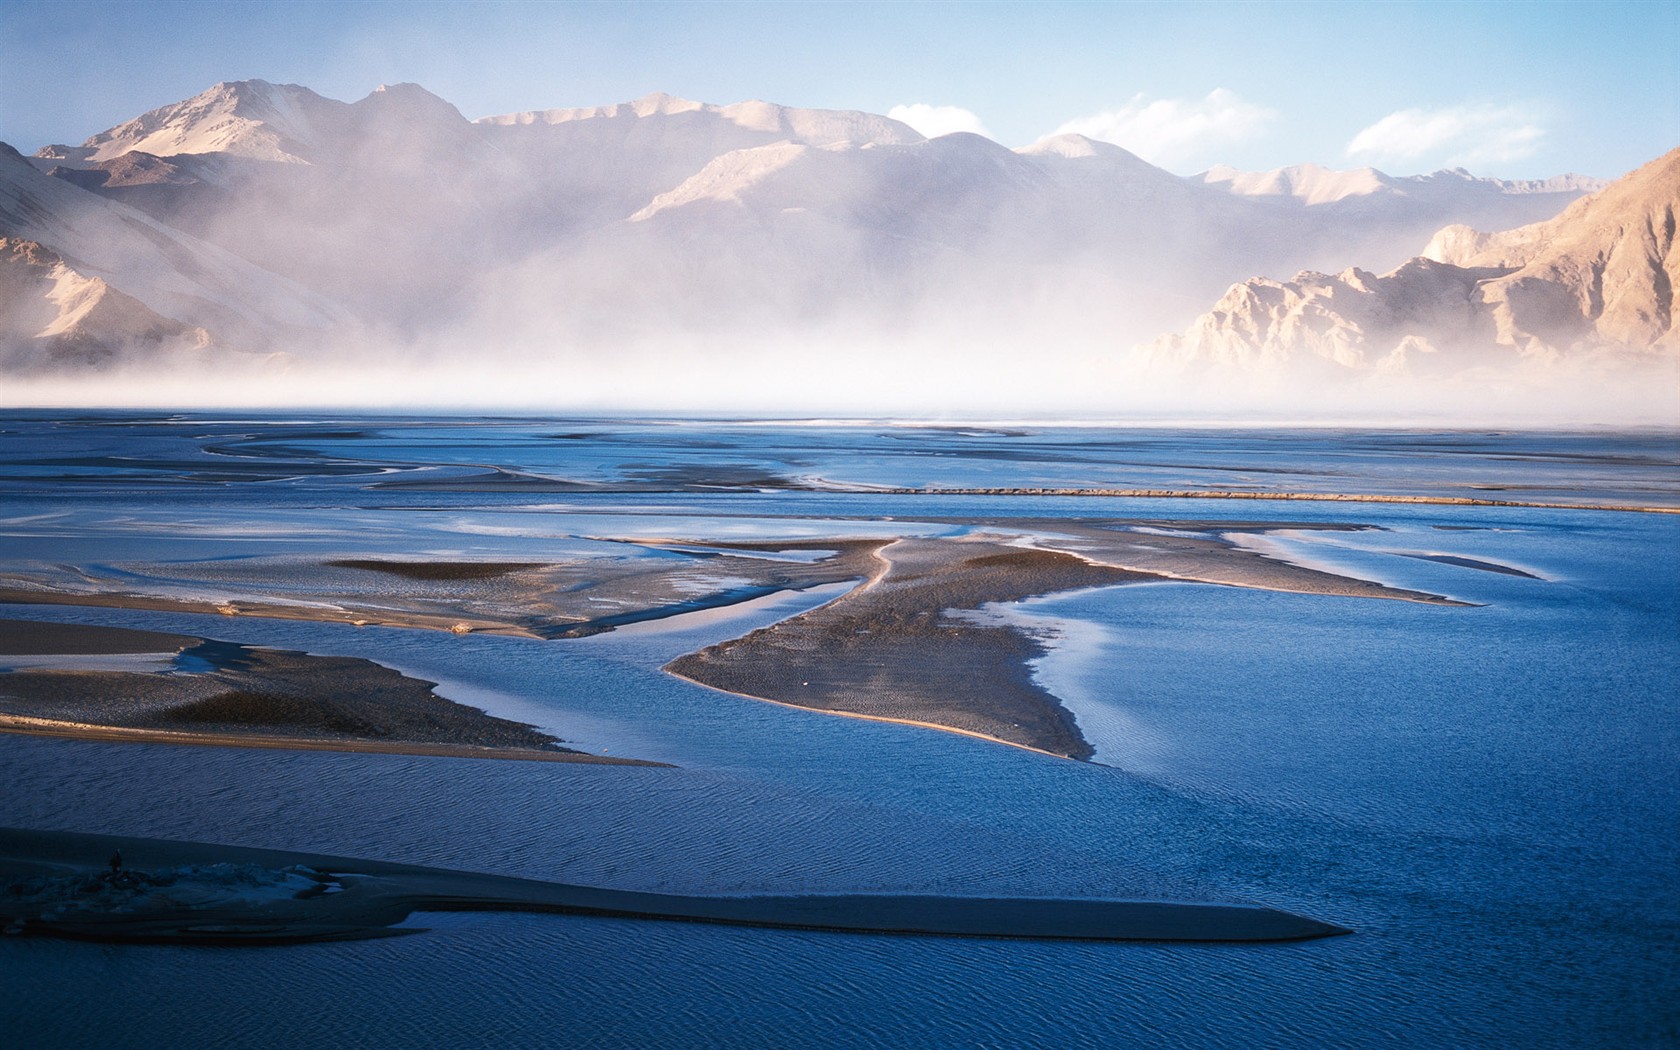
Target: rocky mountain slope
point(61, 317)
point(1599, 278)
point(83, 270)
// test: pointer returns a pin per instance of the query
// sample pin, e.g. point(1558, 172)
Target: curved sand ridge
point(366, 898)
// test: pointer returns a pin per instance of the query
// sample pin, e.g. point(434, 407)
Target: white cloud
point(934, 121)
point(1468, 134)
point(1171, 131)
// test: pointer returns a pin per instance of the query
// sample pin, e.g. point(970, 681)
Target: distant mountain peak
point(410, 100)
point(1310, 184)
point(267, 215)
point(1072, 146)
point(250, 118)
point(662, 102)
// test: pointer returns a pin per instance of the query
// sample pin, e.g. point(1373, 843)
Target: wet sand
point(1214, 553)
point(1471, 563)
point(26, 637)
point(50, 885)
point(225, 694)
point(652, 580)
point(436, 570)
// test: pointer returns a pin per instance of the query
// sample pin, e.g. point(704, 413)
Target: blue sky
point(1517, 89)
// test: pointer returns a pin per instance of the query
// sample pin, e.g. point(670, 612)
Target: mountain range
point(267, 225)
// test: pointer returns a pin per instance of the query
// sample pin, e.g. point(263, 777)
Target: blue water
point(1486, 794)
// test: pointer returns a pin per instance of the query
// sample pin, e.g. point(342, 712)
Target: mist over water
point(832, 376)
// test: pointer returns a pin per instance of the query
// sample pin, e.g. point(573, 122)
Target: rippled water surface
point(1486, 794)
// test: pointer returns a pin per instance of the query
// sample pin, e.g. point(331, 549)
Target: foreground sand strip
point(374, 895)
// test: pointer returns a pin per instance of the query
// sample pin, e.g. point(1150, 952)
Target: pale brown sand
point(254, 698)
point(374, 895)
point(588, 596)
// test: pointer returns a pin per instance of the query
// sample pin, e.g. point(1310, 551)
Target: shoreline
point(16, 725)
point(876, 718)
point(890, 650)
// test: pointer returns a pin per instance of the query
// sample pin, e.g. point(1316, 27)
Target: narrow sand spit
point(51, 884)
point(224, 694)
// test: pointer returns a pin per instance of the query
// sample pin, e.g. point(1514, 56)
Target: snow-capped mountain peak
point(1074, 147)
point(1309, 184)
point(247, 118)
point(816, 127)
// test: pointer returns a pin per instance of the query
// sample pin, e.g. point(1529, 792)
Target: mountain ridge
point(1597, 278)
point(269, 218)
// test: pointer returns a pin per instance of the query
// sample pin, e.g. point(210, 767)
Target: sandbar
point(225, 694)
point(896, 648)
point(890, 650)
